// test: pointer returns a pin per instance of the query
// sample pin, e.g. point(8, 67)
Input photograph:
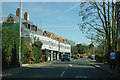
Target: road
point(76, 68)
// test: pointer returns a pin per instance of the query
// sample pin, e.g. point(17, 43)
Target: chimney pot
point(18, 12)
point(18, 8)
point(26, 12)
point(26, 16)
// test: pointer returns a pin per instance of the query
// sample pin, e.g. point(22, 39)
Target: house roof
point(16, 18)
point(40, 32)
point(29, 22)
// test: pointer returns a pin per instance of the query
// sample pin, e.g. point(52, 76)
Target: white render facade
point(53, 48)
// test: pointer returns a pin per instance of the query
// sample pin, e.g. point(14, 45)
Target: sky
point(61, 18)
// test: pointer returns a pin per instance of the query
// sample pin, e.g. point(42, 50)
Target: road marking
point(80, 76)
point(66, 68)
point(62, 73)
point(70, 64)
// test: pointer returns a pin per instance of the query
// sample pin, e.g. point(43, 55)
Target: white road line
point(62, 73)
point(70, 64)
point(80, 76)
point(66, 68)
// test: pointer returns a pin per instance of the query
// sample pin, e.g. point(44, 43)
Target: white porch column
point(51, 55)
point(58, 56)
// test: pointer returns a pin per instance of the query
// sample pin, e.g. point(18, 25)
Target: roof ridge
point(16, 18)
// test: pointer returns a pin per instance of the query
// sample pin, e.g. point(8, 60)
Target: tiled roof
point(40, 31)
point(16, 18)
point(29, 22)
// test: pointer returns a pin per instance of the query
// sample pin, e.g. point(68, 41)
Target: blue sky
point(61, 18)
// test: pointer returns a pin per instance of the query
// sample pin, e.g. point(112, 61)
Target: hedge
point(118, 57)
point(10, 48)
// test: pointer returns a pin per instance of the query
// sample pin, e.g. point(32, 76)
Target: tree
point(37, 51)
point(72, 43)
point(28, 52)
point(73, 47)
point(81, 49)
point(97, 20)
point(10, 47)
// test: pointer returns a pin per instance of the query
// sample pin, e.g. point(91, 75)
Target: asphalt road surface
point(74, 69)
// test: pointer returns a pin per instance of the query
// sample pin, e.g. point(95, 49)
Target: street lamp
point(93, 53)
point(104, 44)
point(20, 33)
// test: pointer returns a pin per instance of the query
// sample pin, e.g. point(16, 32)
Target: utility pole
point(20, 32)
point(92, 47)
point(59, 47)
point(104, 44)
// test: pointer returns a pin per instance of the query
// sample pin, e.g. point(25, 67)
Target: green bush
point(99, 58)
point(32, 62)
point(10, 48)
point(37, 51)
point(27, 53)
point(118, 57)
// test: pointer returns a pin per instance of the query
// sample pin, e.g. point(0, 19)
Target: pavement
point(105, 67)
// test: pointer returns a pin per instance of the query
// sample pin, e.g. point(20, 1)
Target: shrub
point(118, 57)
point(10, 48)
point(99, 58)
point(37, 51)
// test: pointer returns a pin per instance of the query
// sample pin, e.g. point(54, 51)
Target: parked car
point(75, 57)
point(65, 57)
point(89, 56)
point(81, 56)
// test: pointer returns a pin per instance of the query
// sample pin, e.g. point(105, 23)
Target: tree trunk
point(108, 35)
point(117, 19)
point(113, 27)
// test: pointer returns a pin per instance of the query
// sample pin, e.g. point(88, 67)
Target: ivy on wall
point(10, 47)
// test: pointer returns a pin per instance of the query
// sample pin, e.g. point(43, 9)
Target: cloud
point(73, 7)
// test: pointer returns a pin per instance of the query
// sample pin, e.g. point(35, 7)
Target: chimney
point(26, 16)
point(18, 12)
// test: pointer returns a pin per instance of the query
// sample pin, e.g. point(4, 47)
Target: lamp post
point(93, 53)
point(20, 32)
point(59, 48)
point(104, 44)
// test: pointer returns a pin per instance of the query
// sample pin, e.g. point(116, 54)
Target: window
point(12, 20)
point(8, 20)
point(28, 26)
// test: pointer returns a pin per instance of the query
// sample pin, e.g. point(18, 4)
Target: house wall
point(51, 44)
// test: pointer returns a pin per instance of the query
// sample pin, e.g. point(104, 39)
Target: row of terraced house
point(54, 46)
